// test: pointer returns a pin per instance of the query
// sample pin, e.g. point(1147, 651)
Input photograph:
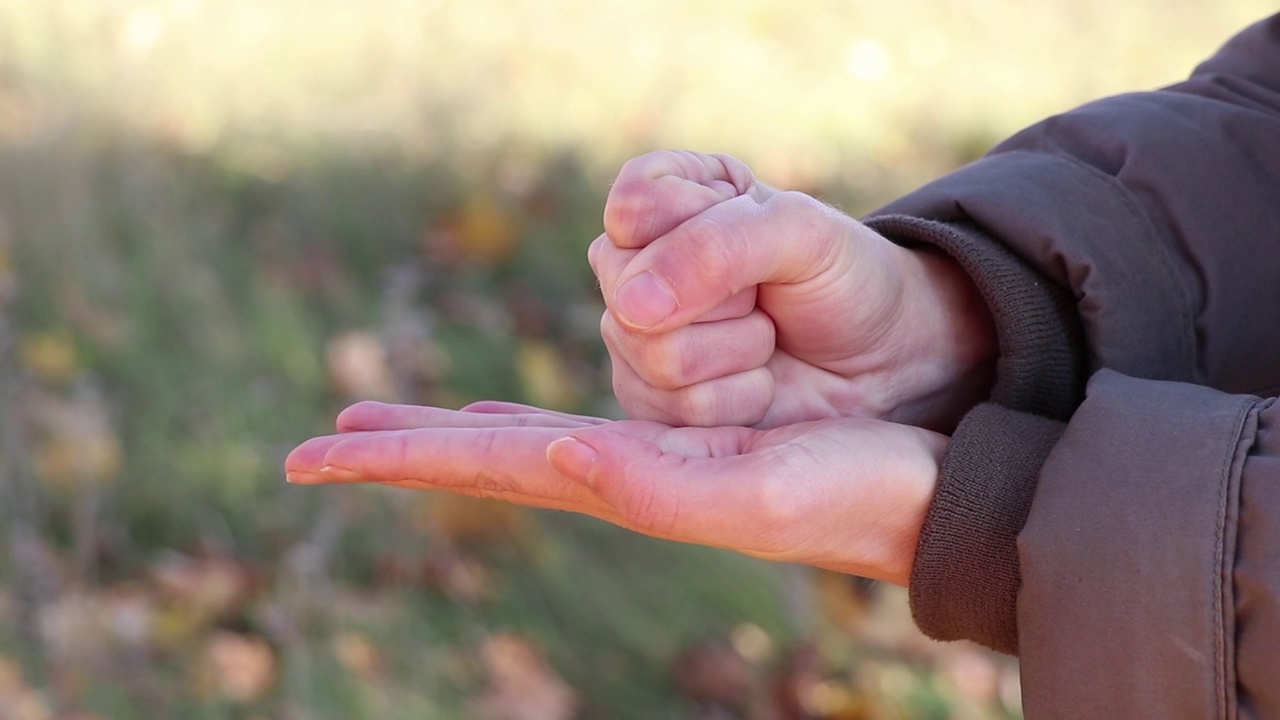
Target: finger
point(722, 498)
point(371, 415)
point(493, 461)
point(590, 505)
point(304, 462)
point(502, 407)
point(656, 192)
point(508, 464)
point(608, 262)
point(788, 239)
point(740, 399)
point(695, 353)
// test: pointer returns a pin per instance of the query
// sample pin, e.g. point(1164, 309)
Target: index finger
point(493, 461)
point(656, 192)
point(609, 262)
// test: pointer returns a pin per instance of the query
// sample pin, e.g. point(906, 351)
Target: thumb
point(686, 484)
point(786, 239)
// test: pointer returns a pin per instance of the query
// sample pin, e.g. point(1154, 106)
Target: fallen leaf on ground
point(358, 367)
point(238, 666)
point(18, 700)
point(214, 582)
point(522, 684)
point(358, 655)
point(713, 672)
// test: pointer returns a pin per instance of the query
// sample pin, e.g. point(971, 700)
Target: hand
point(847, 494)
point(731, 303)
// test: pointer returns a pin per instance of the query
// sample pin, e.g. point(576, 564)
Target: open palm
point(844, 494)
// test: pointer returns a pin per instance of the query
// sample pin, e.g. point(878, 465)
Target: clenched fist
point(732, 303)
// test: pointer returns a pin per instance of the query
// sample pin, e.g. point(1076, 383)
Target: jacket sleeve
point(1156, 211)
point(1151, 586)
point(1137, 233)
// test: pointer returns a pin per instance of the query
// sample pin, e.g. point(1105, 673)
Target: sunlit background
point(222, 221)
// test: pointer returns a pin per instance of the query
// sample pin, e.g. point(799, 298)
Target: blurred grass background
point(221, 222)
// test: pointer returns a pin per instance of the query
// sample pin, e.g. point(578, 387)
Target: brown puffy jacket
point(1112, 515)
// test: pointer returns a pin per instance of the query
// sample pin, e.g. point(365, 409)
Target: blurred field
point(221, 222)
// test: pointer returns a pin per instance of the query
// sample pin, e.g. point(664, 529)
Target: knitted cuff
point(964, 584)
point(1042, 367)
point(965, 579)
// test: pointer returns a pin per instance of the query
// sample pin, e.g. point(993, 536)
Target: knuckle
point(643, 166)
point(594, 250)
point(658, 360)
point(488, 477)
point(811, 218)
point(739, 400)
point(663, 364)
point(709, 252)
point(400, 449)
point(696, 405)
point(792, 203)
point(630, 398)
point(610, 330)
point(801, 211)
point(640, 403)
point(629, 209)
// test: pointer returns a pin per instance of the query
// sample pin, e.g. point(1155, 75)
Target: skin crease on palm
point(760, 376)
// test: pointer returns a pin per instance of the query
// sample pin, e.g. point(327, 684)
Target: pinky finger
point(502, 407)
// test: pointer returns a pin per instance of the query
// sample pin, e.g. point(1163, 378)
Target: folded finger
point(656, 192)
point(609, 262)
point(789, 239)
point(741, 399)
point(371, 415)
point(502, 407)
point(693, 353)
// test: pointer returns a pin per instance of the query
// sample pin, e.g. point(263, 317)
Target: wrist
point(885, 546)
point(949, 366)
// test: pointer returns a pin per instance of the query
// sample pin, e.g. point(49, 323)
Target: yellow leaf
point(358, 367)
point(70, 462)
point(522, 684)
point(357, 654)
point(481, 230)
point(461, 578)
point(18, 698)
point(239, 666)
point(206, 587)
point(486, 230)
point(473, 521)
point(842, 599)
point(77, 444)
point(543, 375)
point(51, 356)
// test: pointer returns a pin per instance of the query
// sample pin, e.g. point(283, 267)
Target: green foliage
point(205, 205)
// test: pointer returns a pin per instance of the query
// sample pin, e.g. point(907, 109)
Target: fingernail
point(573, 458)
point(303, 477)
point(335, 474)
point(644, 301)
